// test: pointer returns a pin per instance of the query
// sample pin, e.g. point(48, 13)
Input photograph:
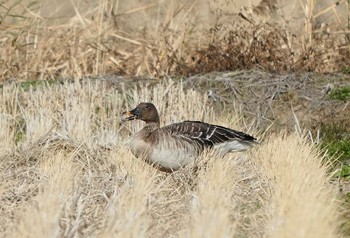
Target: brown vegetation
point(74, 39)
point(64, 167)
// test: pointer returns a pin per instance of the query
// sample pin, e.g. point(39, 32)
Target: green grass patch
point(26, 85)
point(342, 93)
point(346, 70)
point(344, 172)
point(34, 84)
point(336, 141)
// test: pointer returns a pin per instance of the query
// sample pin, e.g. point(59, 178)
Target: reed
point(74, 39)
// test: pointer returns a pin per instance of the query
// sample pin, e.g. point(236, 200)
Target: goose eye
point(146, 107)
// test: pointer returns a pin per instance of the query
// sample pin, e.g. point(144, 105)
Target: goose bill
point(129, 116)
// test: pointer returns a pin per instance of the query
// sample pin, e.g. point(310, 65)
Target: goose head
point(145, 111)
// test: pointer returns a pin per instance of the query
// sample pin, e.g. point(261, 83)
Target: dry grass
point(64, 167)
point(74, 39)
point(66, 172)
point(293, 167)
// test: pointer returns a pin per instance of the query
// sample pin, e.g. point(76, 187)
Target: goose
point(173, 146)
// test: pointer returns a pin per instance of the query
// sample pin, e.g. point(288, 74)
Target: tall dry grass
point(74, 39)
point(293, 168)
point(65, 171)
point(211, 203)
point(41, 217)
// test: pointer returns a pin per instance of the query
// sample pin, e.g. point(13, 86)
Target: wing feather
point(204, 134)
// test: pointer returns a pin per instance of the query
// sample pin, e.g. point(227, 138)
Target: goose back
point(206, 135)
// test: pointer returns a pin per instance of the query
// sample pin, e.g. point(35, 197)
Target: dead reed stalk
point(158, 39)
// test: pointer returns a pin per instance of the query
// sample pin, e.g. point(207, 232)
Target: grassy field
point(65, 168)
point(65, 171)
point(51, 39)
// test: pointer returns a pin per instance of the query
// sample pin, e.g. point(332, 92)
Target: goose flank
point(173, 146)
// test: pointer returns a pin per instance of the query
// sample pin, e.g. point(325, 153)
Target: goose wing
point(206, 135)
